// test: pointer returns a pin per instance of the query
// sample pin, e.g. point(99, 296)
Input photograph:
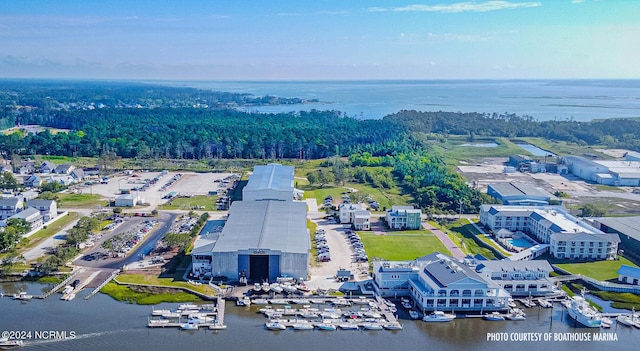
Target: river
point(104, 324)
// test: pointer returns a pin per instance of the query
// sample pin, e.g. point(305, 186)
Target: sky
point(319, 39)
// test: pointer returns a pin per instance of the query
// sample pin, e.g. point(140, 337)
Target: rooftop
point(517, 189)
point(269, 225)
point(272, 176)
point(625, 225)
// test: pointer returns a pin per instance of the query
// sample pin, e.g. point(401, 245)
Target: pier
point(190, 317)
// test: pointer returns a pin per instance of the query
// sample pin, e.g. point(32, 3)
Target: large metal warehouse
point(270, 182)
point(263, 240)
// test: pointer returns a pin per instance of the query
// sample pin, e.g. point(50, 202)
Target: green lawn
point(188, 203)
point(51, 229)
point(463, 234)
point(81, 200)
point(126, 294)
point(452, 148)
point(169, 282)
point(403, 245)
point(600, 270)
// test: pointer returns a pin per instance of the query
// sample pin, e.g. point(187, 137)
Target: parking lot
point(153, 187)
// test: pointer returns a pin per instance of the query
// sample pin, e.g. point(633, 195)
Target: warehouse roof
point(268, 225)
point(624, 225)
point(518, 189)
point(272, 176)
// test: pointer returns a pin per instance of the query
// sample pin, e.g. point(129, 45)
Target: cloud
point(460, 7)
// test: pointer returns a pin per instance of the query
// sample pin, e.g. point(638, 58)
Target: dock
point(210, 316)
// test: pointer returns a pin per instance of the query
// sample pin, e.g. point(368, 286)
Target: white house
point(31, 215)
point(10, 206)
point(362, 220)
point(48, 208)
point(64, 169)
point(347, 213)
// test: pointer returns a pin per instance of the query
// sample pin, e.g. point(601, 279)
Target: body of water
point(581, 100)
point(104, 324)
point(536, 151)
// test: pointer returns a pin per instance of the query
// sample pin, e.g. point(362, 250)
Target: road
point(455, 250)
point(43, 247)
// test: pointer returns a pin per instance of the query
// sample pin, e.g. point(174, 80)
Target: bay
point(580, 100)
point(102, 323)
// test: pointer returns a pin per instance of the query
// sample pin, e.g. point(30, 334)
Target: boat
point(494, 316)
point(159, 312)
point(512, 304)
point(326, 326)
point(257, 288)
point(439, 316)
point(625, 320)
point(303, 288)
point(406, 304)
point(605, 322)
point(392, 326)
point(266, 287)
point(289, 289)
point(23, 296)
point(260, 301)
point(303, 326)
point(275, 325)
point(515, 316)
point(276, 288)
point(545, 303)
point(528, 302)
point(317, 301)
point(188, 306)
point(6, 343)
point(67, 289)
point(414, 314)
point(583, 312)
point(68, 297)
point(362, 300)
point(348, 326)
point(217, 327)
point(189, 326)
point(372, 326)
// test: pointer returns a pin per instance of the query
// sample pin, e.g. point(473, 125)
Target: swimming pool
point(520, 243)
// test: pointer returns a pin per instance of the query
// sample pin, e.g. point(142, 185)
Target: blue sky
point(321, 39)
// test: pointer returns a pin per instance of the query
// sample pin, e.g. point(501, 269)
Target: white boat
point(159, 312)
point(189, 326)
point(6, 343)
point(406, 304)
point(171, 314)
point(545, 303)
point(625, 320)
point(266, 287)
point(392, 326)
point(289, 289)
point(67, 289)
point(605, 322)
point(275, 325)
point(528, 302)
point(257, 288)
point(303, 326)
point(439, 316)
point(348, 326)
point(276, 288)
point(372, 326)
point(68, 297)
point(188, 306)
point(494, 316)
point(583, 312)
point(414, 314)
point(22, 296)
point(515, 316)
point(512, 304)
point(259, 301)
point(326, 326)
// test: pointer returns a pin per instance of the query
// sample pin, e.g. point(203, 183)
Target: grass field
point(125, 294)
point(600, 270)
point(145, 279)
point(188, 203)
point(454, 151)
point(80, 200)
point(404, 245)
point(51, 229)
point(462, 233)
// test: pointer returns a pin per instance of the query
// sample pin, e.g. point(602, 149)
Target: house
point(10, 206)
point(6, 168)
point(519, 278)
point(28, 195)
point(64, 169)
point(629, 275)
point(32, 181)
point(437, 281)
point(362, 220)
point(48, 208)
point(347, 214)
point(404, 217)
point(26, 167)
point(62, 179)
point(31, 215)
point(78, 174)
point(46, 167)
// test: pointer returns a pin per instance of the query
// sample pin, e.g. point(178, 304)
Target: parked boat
point(259, 301)
point(276, 288)
point(303, 326)
point(512, 304)
point(189, 326)
point(372, 326)
point(414, 314)
point(625, 320)
point(515, 316)
point(406, 304)
point(23, 296)
point(583, 312)
point(605, 322)
point(439, 316)
point(188, 306)
point(545, 303)
point(326, 326)
point(348, 326)
point(494, 316)
point(159, 312)
point(528, 302)
point(257, 288)
point(392, 326)
point(266, 287)
point(275, 325)
point(6, 343)
point(289, 289)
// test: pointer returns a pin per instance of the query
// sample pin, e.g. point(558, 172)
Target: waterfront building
point(404, 217)
point(627, 228)
point(262, 240)
point(520, 194)
point(438, 282)
point(568, 236)
point(270, 182)
point(519, 278)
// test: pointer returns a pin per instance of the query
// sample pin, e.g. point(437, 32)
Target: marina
point(189, 317)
